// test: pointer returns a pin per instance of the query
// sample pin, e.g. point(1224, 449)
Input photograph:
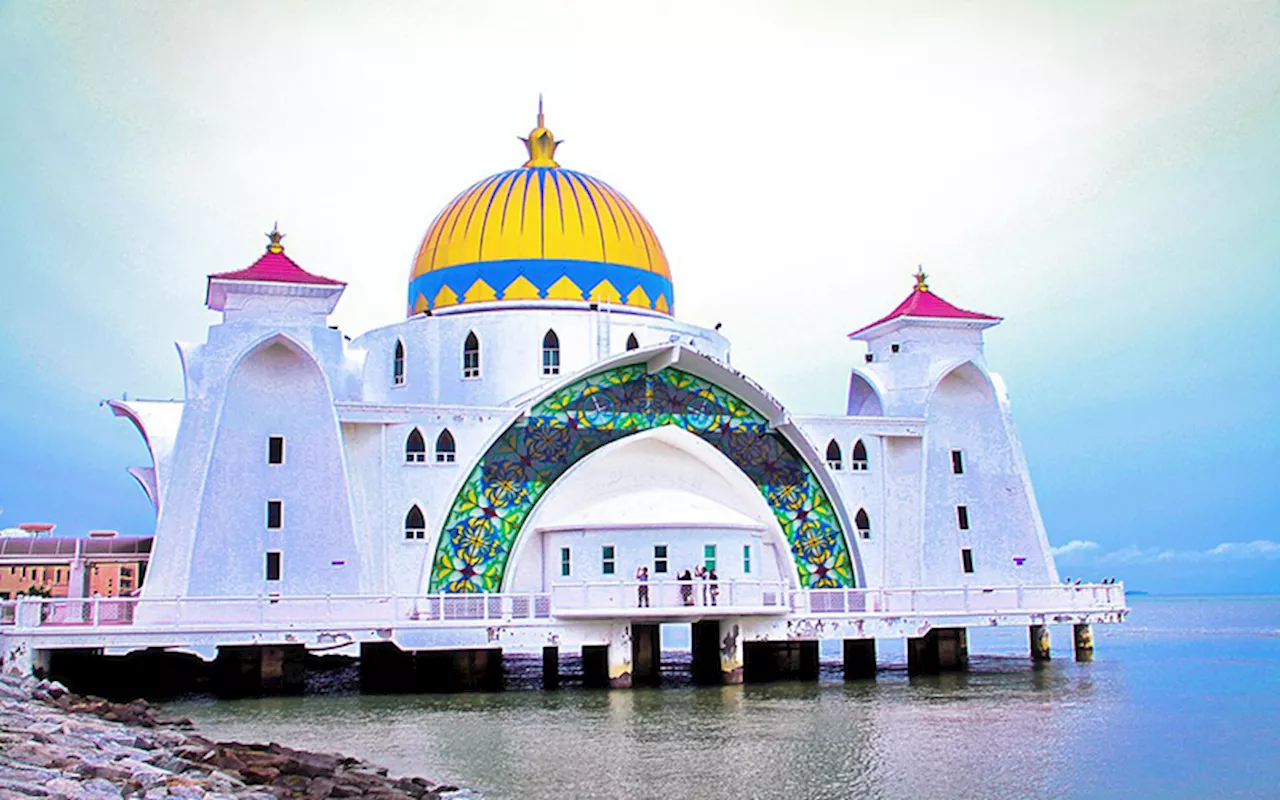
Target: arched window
point(415, 525)
point(551, 354)
point(446, 451)
point(834, 458)
point(397, 364)
point(858, 460)
point(863, 523)
point(415, 448)
point(633, 343)
point(471, 357)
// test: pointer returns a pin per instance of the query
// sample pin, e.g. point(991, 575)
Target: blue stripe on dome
point(542, 273)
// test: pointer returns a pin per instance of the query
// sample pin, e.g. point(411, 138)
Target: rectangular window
point(273, 565)
point(275, 450)
point(275, 514)
point(966, 558)
point(746, 559)
point(957, 462)
point(962, 517)
point(659, 558)
point(565, 568)
point(709, 556)
point(471, 364)
point(607, 562)
point(550, 361)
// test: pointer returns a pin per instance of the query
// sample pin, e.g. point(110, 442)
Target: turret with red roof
point(272, 285)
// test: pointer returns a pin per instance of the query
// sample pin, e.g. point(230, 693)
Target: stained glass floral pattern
point(510, 478)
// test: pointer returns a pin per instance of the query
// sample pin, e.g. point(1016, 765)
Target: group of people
point(1078, 581)
point(709, 579)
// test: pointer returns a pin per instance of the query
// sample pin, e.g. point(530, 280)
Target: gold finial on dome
point(920, 277)
point(275, 236)
point(541, 144)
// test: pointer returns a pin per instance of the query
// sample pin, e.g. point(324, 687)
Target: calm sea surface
point(1182, 701)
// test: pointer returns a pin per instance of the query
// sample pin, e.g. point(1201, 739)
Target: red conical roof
point(276, 267)
point(924, 303)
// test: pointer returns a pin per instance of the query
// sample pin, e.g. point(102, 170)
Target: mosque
point(542, 421)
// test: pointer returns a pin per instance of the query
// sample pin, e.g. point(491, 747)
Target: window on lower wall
point(962, 517)
point(966, 559)
point(608, 564)
point(862, 522)
point(565, 562)
point(957, 462)
point(835, 459)
point(446, 449)
point(275, 514)
point(709, 556)
point(858, 458)
point(415, 524)
point(659, 558)
point(746, 559)
point(273, 565)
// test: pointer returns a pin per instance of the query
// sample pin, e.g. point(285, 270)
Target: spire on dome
point(541, 143)
point(275, 236)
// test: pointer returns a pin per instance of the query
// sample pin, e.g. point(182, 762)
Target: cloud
point(1073, 546)
point(1257, 550)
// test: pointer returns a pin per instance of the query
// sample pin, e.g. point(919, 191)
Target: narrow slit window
point(966, 559)
point(835, 459)
point(275, 514)
point(608, 563)
point(566, 567)
point(415, 448)
point(633, 343)
point(957, 462)
point(709, 556)
point(962, 517)
point(471, 357)
point(397, 365)
point(858, 459)
point(863, 523)
point(415, 524)
point(659, 558)
point(746, 559)
point(275, 450)
point(551, 354)
point(273, 565)
point(446, 450)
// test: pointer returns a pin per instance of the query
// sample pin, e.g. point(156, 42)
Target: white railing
point(669, 595)
point(617, 598)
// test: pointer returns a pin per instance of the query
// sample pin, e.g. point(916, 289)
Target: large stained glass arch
point(490, 510)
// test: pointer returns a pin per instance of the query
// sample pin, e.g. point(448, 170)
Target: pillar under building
point(717, 651)
point(259, 670)
point(646, 654)
point(774, 661)
point(1082, 634)
point(1039, 636)
point(939, 650)
point(859, 659)
point(551, 667)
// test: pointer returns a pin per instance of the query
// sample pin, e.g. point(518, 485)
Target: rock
point(99, 787)
point(24, 787)
point(320, 788)
point(259, 775)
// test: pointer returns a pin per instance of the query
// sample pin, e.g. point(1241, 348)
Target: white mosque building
point(542, 421)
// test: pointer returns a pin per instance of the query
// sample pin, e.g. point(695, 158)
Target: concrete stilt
point(1039, 642)
point(646, 654)
point(731, 651)
point(249, 671)
point(1083, 636)
point(551, 668)
point(595, 666)
point(939, 650)
point(771, 661)
point(478, 669)
point(386, 669)
point(619, 656)
point(859, 659)
point(705, 639)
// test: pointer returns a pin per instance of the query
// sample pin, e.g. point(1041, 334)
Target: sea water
point(1181, 701)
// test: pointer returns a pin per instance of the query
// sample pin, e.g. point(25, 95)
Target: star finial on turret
point(920, 277)
point(275, 236)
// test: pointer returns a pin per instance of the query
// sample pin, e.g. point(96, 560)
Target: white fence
point(602, 598)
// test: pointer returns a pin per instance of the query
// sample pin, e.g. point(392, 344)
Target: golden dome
point(540, 232)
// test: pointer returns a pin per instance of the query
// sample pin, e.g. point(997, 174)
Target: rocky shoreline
point(56, 744)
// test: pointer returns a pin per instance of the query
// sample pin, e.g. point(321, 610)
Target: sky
point(1104, 175)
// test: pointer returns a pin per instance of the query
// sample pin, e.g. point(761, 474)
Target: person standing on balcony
point(686, 587)
point(700, 572)
point(642, 576)
point(715, 585)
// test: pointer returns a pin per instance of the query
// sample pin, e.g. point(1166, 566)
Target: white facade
point(942, 498)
